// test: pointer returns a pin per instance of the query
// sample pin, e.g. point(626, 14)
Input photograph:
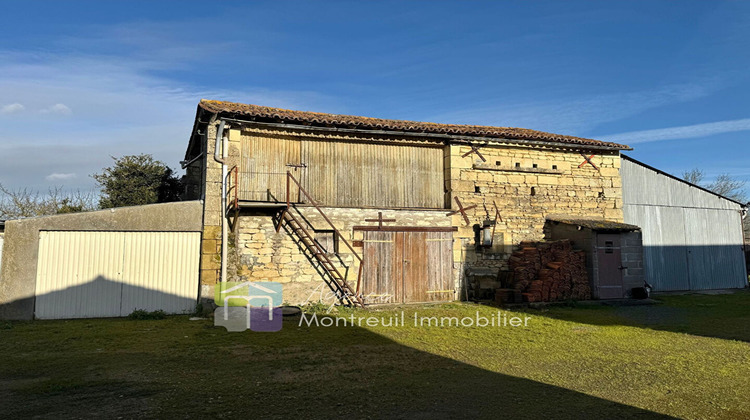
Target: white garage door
point(110, 274)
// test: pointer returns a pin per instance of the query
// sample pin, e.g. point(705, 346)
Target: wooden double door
point(407, 266)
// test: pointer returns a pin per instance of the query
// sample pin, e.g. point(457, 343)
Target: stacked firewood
point(550, 271)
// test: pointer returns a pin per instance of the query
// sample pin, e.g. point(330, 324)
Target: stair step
point(312, 246)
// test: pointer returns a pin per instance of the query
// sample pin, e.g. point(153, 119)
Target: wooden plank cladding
point(263, 167)
point(343, 174)
point(407, 267)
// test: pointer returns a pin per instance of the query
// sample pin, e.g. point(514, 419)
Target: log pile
point(550, 271)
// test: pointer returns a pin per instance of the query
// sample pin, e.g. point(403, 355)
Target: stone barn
point(368, 211)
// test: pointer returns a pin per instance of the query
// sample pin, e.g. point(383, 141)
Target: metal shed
point(692, 237)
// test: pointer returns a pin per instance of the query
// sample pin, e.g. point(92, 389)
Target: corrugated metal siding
point(715, 255)
point(642, 185)
point(664, 251)
point(109, 274)
point(692, 239)
point(160, 271)
point(347, 174)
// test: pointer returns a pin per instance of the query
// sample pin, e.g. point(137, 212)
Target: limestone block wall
point(212, 211)
point(260, 254)
point(527, 185)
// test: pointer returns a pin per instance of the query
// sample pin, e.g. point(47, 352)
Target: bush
point(140, 314)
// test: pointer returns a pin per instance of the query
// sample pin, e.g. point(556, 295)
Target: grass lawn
point(688, 357)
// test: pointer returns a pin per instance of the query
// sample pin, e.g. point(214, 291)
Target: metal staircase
point(331, 274)
point(291, 219)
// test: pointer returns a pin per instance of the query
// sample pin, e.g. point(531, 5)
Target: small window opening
point(477, 190)
point(328, 240)
point(601, 194)
point(609, 247)
point(518, 165)
point(534, 165)
point(554, 166)
point(497, 163)
point(533, 191)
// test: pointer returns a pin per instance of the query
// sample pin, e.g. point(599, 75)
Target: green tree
point(135, 180)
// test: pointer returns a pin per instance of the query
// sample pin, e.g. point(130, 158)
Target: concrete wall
point(1, 255)
point(18, 275)
point(631, 250)
point(633, 275)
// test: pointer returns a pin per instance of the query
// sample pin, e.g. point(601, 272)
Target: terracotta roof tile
point(366, 123)
point(595, 224)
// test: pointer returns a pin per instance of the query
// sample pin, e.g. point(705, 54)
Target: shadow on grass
point(725, 316)
point(179, 369)
point(176, 368)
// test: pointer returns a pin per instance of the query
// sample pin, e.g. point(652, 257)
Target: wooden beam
point(406, 228)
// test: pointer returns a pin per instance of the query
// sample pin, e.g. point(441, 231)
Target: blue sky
point(83, 81)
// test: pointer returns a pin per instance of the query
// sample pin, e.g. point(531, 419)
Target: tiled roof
point(263, 113)
point(595, 224)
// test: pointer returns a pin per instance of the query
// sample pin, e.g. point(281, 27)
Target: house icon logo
point(254, 306)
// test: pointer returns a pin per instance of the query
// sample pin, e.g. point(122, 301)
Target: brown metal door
point(609, 266)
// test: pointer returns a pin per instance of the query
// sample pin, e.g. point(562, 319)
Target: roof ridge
point(513, 133)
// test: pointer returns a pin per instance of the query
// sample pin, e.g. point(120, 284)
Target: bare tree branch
point(729, 187)
point(694, 176)
point(724, 184)
point(21, 203)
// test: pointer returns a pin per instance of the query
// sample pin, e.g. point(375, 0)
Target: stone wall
point(259, 253)
point(212, 211)
point(527, 184)
point(193, 180)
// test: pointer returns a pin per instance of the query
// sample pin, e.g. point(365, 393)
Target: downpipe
point(220, 155)
point(743, 216)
